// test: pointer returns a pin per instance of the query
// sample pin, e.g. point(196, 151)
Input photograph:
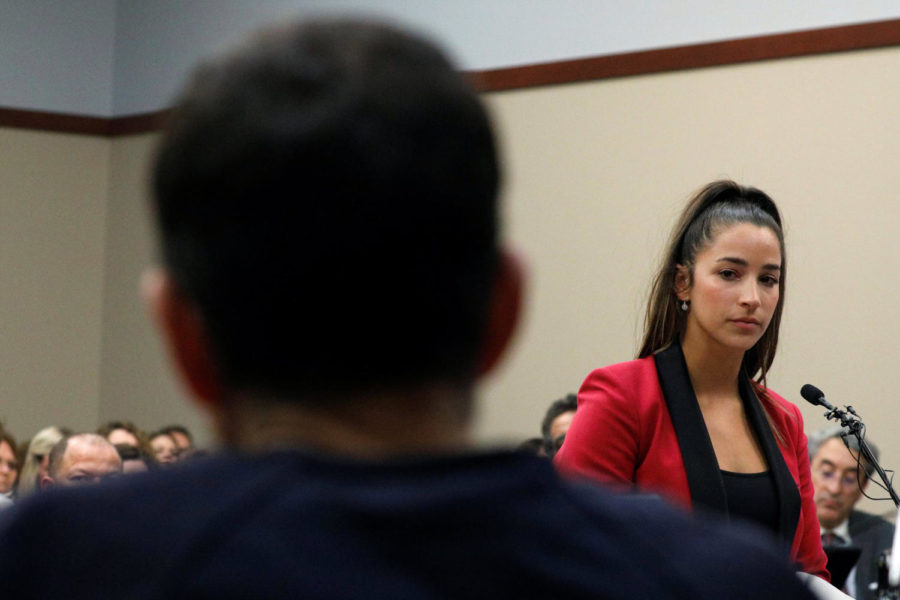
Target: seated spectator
point(184, 441)
point(34, 467)
point(85, 458)
point(134, 459)
point(556, 423)
point(9, 467)
point(165, 450)
point(121, 432)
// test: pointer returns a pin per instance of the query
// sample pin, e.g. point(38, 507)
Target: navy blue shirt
point(296, 525)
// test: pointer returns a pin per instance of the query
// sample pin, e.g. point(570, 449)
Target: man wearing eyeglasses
point(839, 480)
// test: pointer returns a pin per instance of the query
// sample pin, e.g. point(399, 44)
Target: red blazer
point(627, 431)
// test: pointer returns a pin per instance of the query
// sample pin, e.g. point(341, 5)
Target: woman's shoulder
point(628, 369)
point(625, 381)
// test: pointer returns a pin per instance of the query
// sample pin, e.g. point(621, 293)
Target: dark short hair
point(170, 429)
point(106, 428)
point(129, 452)
point(566, 404)
point(326, 196)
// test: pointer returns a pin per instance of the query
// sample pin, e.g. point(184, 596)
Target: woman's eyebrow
point(744, 263)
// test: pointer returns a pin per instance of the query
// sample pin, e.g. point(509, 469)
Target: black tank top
point(752, 497)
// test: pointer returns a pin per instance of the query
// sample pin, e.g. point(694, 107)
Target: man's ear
point(184, 335)
point(46, 482)
point(503, 311)
point(682, 283)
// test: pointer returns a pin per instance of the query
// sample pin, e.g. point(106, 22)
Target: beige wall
point(76, 347)
point(136, 382)
point(53, 199)
point(596, 174)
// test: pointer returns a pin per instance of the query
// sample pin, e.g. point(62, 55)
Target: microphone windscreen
point(812, 394)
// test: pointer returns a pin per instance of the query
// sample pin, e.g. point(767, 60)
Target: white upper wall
point(109, 57)
point(57, 55)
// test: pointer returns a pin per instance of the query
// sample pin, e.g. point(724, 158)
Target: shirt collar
point(842, 530)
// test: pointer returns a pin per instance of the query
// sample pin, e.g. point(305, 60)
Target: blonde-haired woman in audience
point(35, 463)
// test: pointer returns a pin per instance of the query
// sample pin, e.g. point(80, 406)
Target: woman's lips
point(748, 324)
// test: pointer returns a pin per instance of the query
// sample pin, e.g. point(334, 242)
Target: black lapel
point(704, 479)
point(788, 494)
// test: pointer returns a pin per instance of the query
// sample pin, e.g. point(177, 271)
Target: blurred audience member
point(120, 432)
point(9, 467)
point(81, 459)
point(556, 422)
point(165, 450)
point(135, 459)
point(34, 465)
point(184, 441)
point(182, 436)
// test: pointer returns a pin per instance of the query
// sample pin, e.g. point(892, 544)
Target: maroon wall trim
point(44, 121)
point(768, 47)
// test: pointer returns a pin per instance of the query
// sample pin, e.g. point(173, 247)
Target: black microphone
point(815, 396)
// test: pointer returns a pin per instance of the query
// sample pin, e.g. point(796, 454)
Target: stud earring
point(684, 305)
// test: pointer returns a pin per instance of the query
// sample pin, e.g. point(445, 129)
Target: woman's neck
point(713, 369)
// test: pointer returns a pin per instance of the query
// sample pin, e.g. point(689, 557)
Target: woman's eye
point(728, 274)
point(769, 280)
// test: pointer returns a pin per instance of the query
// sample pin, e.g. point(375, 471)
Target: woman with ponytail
point(692, 419)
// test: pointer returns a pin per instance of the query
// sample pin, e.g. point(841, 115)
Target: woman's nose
point(750, 295)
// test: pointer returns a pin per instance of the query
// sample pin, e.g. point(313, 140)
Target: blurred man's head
point(326, 198)
point(834, 470)
point(81, 459)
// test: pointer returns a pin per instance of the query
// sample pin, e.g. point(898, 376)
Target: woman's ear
point(682, 283)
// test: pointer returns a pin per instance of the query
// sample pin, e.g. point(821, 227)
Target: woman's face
point(164, 449)
point(9, 467)
point(734, 289)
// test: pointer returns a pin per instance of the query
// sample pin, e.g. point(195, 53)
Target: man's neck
point(383, 424)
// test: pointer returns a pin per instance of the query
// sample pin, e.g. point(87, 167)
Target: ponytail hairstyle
point(719, 205)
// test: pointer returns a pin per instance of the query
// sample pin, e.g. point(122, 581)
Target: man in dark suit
point(333, 285)
point(839, 480)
